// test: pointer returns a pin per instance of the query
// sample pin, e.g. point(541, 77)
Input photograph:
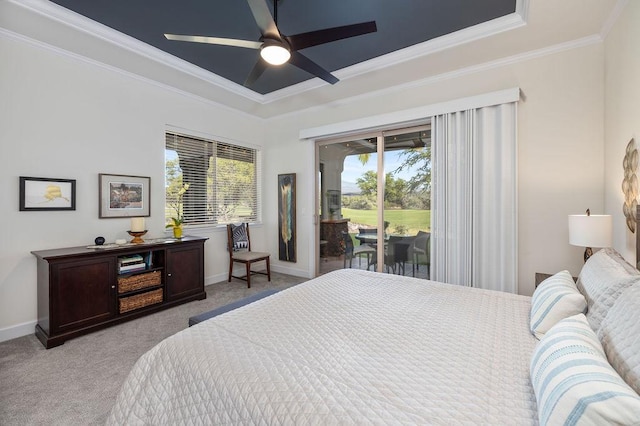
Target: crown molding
point(613, 18)
point(373, 94)
point(102, 32)
point(510, 60)
point(88, 26)
point(74, 56)
point(448, 41)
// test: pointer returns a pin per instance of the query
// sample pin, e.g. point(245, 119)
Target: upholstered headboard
point(638, 237)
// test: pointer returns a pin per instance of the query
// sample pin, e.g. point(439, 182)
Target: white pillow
point(555, 298)
point(574, 383)
point(602, 279)
point(620, 336)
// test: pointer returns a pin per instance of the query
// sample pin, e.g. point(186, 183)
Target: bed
point(359, 347)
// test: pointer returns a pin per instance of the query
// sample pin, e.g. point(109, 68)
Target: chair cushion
point(363, 248)
point(247, 256)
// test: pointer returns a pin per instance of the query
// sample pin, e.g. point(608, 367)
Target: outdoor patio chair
point(351, 251)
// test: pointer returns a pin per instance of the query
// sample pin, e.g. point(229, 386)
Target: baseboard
point(212, 279)
point(16, 331)
point(296, 272)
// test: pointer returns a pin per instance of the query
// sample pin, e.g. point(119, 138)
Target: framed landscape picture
point(124, 196)
point(41, 194)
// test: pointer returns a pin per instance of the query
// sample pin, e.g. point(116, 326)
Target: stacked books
point(131, 263)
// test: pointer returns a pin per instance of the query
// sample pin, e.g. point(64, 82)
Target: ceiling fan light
point(275, 54)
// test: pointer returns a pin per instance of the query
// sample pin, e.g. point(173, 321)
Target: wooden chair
point(239, 246)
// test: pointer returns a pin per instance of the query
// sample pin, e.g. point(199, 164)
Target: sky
point(353, 169)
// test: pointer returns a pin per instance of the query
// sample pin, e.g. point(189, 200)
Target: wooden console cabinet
point(83, 289)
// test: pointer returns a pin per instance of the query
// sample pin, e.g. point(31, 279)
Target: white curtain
point(474, 198)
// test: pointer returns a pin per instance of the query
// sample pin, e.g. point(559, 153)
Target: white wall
point(64, 118)
point(622, 117)
point(560, 132)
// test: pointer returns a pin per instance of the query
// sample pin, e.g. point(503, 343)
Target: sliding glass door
point(407, 201)
point(374, 195)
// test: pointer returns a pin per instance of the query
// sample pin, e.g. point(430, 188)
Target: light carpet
point(77, 383)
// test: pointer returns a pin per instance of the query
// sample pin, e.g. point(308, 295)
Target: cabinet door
point(82, 293)
point(185, 271)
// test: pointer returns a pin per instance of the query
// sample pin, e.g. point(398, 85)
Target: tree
point(234, 195)
point(364, 158)
point(237, 192)
point(174, 186)
point(368, 183)
point(421, 181)
point(395, 190)
point(419, 185)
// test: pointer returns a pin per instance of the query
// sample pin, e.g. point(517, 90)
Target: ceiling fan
point(277, 48)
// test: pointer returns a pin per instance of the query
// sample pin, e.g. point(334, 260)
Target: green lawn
point(412, 220)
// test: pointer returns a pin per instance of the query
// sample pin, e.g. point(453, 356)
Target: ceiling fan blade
point(306, 64)
point(262, 15)
point(216, 40)
point(256, 72)
point(314, 38)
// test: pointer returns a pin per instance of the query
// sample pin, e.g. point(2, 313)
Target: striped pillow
point(556, 298)
point(239, 236)
point(574, 383)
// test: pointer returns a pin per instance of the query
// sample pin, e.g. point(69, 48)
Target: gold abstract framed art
point(40, 194)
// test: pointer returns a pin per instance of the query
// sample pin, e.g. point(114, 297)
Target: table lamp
point(587, 230)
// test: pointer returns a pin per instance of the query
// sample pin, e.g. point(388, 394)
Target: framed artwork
point(630, 185)
point(124, 196)
point(38, 193)
point(287, 217)
point(334, 203)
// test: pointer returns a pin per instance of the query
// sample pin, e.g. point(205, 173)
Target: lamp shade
point(590, 231)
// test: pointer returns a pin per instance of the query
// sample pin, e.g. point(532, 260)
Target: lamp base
point(588, 252)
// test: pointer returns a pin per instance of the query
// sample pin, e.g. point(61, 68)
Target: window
point(209, 182)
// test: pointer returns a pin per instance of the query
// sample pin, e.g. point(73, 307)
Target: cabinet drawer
point(140, 281)
point(140, 300)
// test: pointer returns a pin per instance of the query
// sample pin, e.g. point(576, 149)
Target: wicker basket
point(140, 300)
point(136, 282)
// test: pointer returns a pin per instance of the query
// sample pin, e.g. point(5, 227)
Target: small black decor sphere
point(99, 241)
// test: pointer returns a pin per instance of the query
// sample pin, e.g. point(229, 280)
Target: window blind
point(211, 182)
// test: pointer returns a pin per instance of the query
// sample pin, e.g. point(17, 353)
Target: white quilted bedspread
point(350, 347)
